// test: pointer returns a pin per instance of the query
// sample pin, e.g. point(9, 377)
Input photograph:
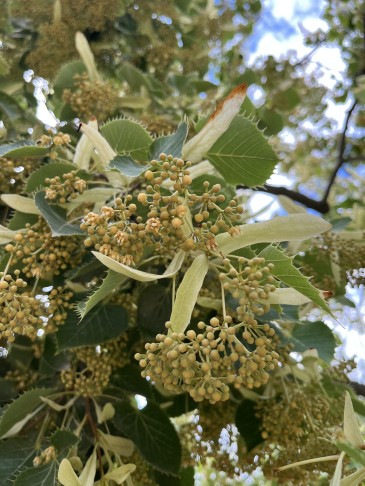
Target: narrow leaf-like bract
point(295, 227)
point(187, 294)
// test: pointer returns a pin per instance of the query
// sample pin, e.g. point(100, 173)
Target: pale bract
point(105, 151)
point(187, 294)
point(295, 227)
point(84, 148)
point(170, 271)
point(217, 124)
point(83, 48)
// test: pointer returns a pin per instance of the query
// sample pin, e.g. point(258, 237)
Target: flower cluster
point(24, 312)
point(41, 254)
point(251, 283)
point(14, 173)
point(205, 364)
point(62, 189)
point(88, 99)
point(92, 366)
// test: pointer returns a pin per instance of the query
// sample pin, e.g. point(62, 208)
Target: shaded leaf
point(127, 166)
point(153, 434)
point(56, 217)
point(63, 440)
point(101, 324)
point(170, 144)
point(21, 408)
point(154, 309)
point(129, 379)
point(37, 476)
point(317, 335)
point(248, 424)
point(15, 454)
point(66, 76)
point(23, 148)
point(243, 155)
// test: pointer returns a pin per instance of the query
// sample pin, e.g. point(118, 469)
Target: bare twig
point(341, 150)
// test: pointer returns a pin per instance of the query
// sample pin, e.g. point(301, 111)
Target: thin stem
point(309, 461)
point(95, 433)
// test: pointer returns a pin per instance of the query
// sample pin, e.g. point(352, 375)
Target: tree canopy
point(154, 328)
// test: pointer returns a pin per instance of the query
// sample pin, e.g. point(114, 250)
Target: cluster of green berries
point(91, 98)
point(251, 283)
point(20, 311)
point(205, 364)
point(62, 189)
point(92, 366)
point(14, 173)
point(41, 254)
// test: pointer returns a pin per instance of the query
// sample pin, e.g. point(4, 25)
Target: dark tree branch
point(320, 206)
point(341, 150)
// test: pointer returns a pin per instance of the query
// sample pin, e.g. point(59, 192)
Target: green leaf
point(112, 281)
point(248, 424)
point(129, 379)
point(63, 440)
point(56, 217)
point(37, 476)
point(23, 148)
point(8, 390)
point(51, 362)
point(170, 144)
point(101, 324)
point(242, 154)
point(127, 137)
point(308, 335)
point(19, 220)
point(66, 76)
point(153, 434)
point(353, 452)
point(15, 454)
point(285, 271)
point(154, 309)
point(20, 409)
point(9, 106)
point(186, 478)
point(270, 121)
point(37, 178)
point(127, 166)
point(133, 76)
